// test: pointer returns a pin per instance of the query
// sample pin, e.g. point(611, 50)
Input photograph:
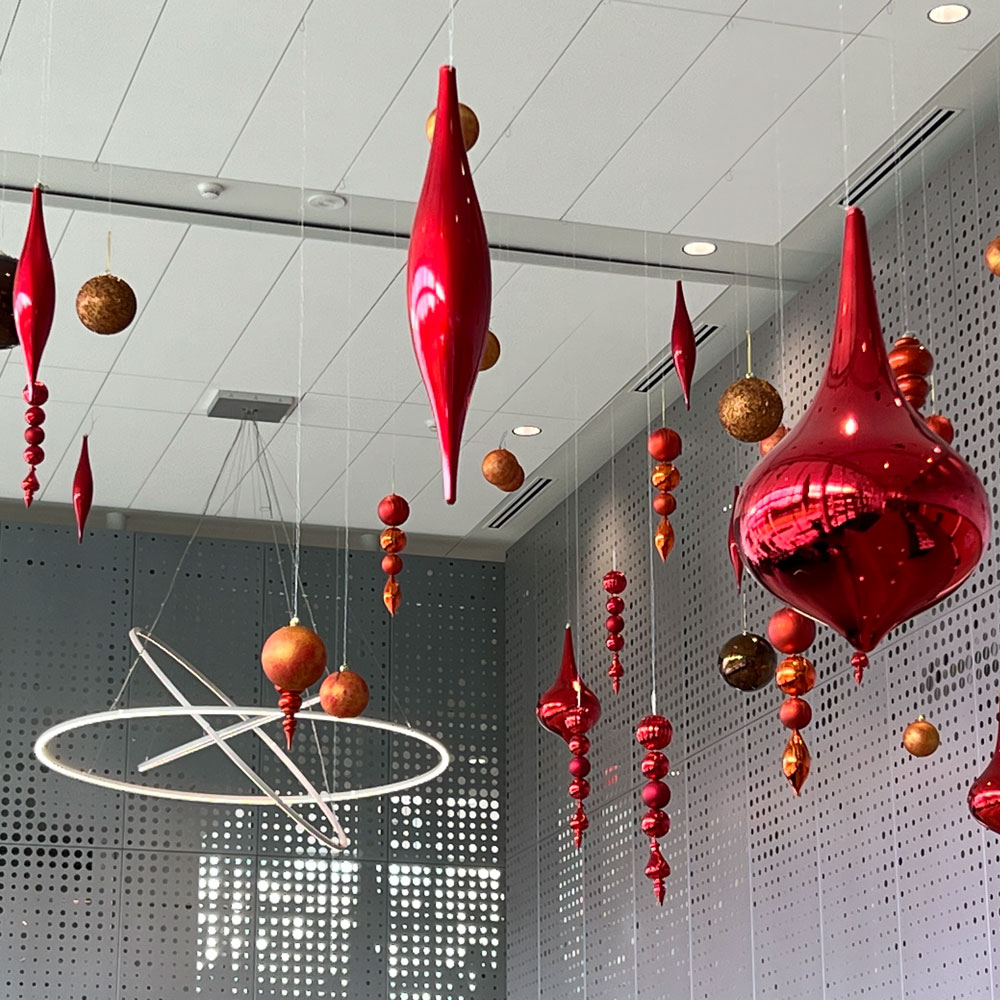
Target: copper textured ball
point(993, 256)
point(344, 694)
point(516, 483)
point(393, 510)
point(491, 352)
point(654, 732)
point(106, 304)
point(470, 125)
point(795, 675)
point(664, 444)
point(772, 439)
point(392, 540)
point(747, 661)
point(293, 657)
point(751, 409)
point(501, 468)
point(8, 332)
point(665, 476)
point(795, 713)
point(790, 631)
point(941, 426)
point(921, 738)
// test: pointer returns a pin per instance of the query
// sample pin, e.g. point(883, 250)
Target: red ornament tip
point(289, 703)
point(616, 671)
point(659, 889)
point(578, 823)
point(860, 663)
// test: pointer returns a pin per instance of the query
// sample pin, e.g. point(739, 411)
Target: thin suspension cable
point(842, 62)
point(897, 173)
point(651, 546)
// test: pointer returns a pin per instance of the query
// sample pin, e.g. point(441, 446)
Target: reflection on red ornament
point(862, 517)
point(984, 795)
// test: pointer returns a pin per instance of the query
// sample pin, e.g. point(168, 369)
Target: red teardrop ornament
point(734, 549)
point(863, 517)
point(83, 489)
point(984, 795)
point(448, 286)
point(682, 345)
point(657, 870)
point(569, 700)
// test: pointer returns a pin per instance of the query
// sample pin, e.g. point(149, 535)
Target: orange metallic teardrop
point(391, 596)
point(795, 761)
point(664, 539)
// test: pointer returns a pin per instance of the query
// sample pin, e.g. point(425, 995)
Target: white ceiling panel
point(331, 289)
point(331, 65)
point(806, 147)
point(833, 15)
point(14, 225)
point(410, 420)
point(65, 384)
point(198, 82)
point(212, 288)
point(141, 250)
point(709, 6)
point(905, 22)
point(540, 166)
point(141, 392)
point(321, 410)
point(706, 124)
point(501, 55)
point(60, 92)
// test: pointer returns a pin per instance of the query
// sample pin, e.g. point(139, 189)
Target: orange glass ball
point(795, 675)
point(392, 540)
point(790, 631)
point(664, 504)
point(993, 256)
point(293, 658)
point(665, 477)
point(491, 352)
point(921, 738)
point(344, 694)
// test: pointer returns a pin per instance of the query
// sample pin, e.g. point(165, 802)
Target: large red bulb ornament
point(862, 517)
point(448, 286)
point(984, 795)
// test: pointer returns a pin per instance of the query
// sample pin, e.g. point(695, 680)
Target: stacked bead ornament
point(393, 511)
point(655, 733)
point(614, 583)
point(793, 633)
point(911, 363)
point(664, 445)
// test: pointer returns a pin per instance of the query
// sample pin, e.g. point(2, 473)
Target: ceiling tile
point(67, 384)
point(214, 284)
point(343, 412)
point(706, 124)
point(199, 80)
point(833, 15)
point(577, 119)
point(141, 392)
point(411, 420)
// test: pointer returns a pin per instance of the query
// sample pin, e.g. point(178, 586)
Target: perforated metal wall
point(876, 882)
point(111, 896)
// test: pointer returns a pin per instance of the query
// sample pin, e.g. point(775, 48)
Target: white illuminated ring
point(252, 718)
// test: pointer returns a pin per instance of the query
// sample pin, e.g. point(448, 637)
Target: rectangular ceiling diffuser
point(656, 374)
point(519, 502)
point(257, 406)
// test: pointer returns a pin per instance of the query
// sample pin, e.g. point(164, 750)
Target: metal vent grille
point(519, 502)
point(655, 375)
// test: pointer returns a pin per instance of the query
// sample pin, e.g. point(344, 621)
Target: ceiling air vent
point(257, 406)
point(897, 154)
point(519, 503)
point(655, 375)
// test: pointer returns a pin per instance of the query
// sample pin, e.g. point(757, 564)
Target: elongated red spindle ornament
point(34, 306)
point(734, 549)
point(683, 346)
point(83, 489)
point(448, 284)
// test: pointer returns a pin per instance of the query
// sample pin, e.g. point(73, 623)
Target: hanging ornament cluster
point(863, 517)
point(293, 658)
point(984, 795)
point(683, 346)
point(793, 633)
point(344, 694)
point(8, 329)
point(448, 284)
point(664, 445)
point(911, 363)
point(570, 710)
point(502, 470)
point(393, 511)
point(747, 661)
point(615, 583)
point(655, 733)
point(34, 306)
point(921, 738)
point(83, 489)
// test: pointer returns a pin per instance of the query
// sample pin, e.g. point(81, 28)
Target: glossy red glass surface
point(861, 517)
point(682, 345)
point(984, 795)
point(569, 707)
point(734, 549)
point(448, 284)
point(83, 489)
point(34, 290)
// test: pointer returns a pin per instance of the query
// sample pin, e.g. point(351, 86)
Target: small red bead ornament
point(655, 733)
point(664, 445)
point(393, 511)
point(615, 583)
point(570, 709)
point(793, 633)
point(911, 363)
point(293, 658)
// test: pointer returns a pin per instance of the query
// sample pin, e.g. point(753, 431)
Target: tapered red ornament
point(795, 761)
point(682, 345)
point(83, 489)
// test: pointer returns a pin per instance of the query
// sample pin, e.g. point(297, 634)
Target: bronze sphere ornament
point(106, 304)
point(747, 661)
point(751, 409)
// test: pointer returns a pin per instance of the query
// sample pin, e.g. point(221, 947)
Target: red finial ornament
point(682, 345)
point(34, 306)
point(570, 709)
point(984, 795)
point(862, 517)
point(448, 285)
point(654, 732)
point(83, 489)
point(664, 445)
point(615, 583)
point(293, 658)
point(393, 511)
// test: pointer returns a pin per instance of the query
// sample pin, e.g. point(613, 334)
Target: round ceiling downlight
point(526, 431)
point(948, 13)
point(699, 248)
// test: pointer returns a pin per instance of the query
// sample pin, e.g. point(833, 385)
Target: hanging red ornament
point(293, 658)
point(614, 583)
point(790, 632)
point(654, 733)
point(795, 761)
point(734, 549)
point(344, 694)
point(863, 517)
point(683, 346)
point(793, 633)
point(664, 445)
point(795, 675)
point(984, 795)
point(570, 709)
point(393, 511)
point(83, 487)
point(911, 363)
point(34, 306)
point(448, 288)
point(941, 426)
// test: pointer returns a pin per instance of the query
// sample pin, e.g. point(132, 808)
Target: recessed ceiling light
point(949, 13)
point(210, 190)
point(699, 248)
point(326, 199)
point(526, 431)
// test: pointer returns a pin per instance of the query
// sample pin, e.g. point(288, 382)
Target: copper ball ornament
point(941, 426)
point(751, 409)
point(391, 564)
point(470, 125)
point(502, 470)
point(392, 540)
point(665, 477)
point(664, 444)
point(993, 256)
point(491, 352)
point(796, 675)
point(344, 694)
point(654, 732)
point(393, 510)
point(8, 332)
point(772, 439)
point(789, 631)
point(921, 738)
point(106, 304)
point(293, 657)
point(747, 661)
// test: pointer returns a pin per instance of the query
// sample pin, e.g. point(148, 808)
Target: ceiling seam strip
point(10, 31)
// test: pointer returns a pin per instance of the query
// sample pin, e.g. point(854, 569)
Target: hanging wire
point(451, 32)
point(897, 173)
point(842, 62)
point(651, 548)
point(46, 93)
